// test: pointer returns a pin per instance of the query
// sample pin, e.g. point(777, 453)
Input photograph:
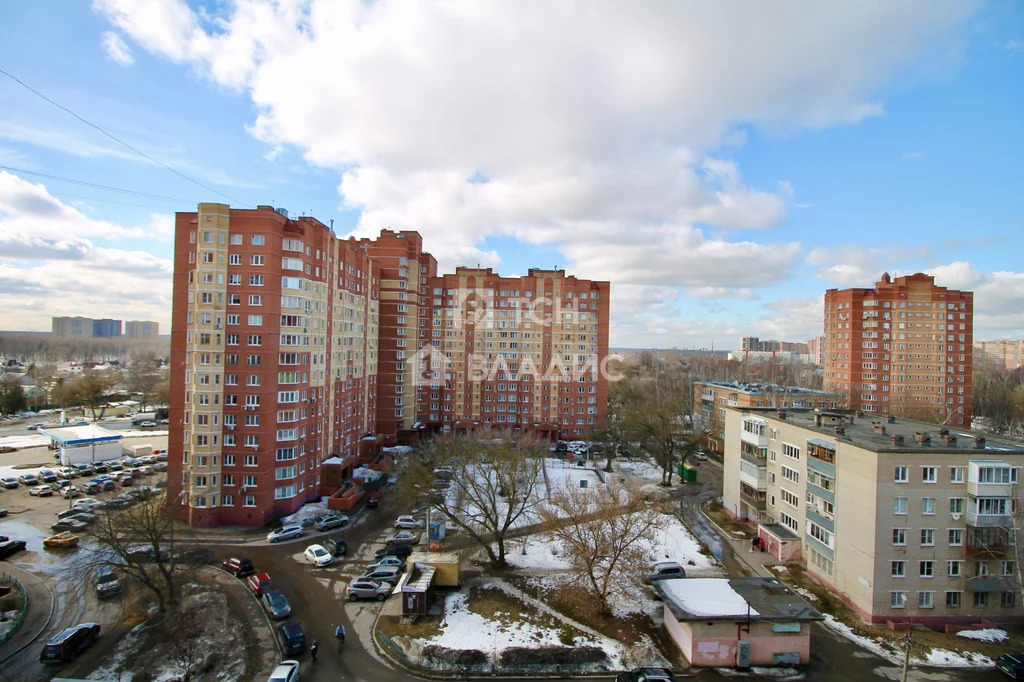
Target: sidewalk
point(41, 605)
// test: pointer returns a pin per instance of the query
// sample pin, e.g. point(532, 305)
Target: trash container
point(688, 474)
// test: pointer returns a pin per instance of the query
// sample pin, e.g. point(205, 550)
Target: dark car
point(293, 640)
point(336, 547)
point(107, 583)
point(400, 551)
point(238, 566)
point(47, 475)
point(11, 547)
point(99, 467)
point(72, 524)
point(646, 675)
point(259, 583)
point(1012, 665)
point(67, 644)
point(276, 604)
point(374, 500)
point(666, 570)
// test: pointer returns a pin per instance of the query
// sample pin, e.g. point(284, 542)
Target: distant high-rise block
point(137, 329)
point(85, 327)
point(904, 347)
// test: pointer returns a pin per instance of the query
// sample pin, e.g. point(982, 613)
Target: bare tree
point(91, 389)
point(187, 638)
point(140, 541)
point(492, 486)
point(605, 534)
point(143, 379)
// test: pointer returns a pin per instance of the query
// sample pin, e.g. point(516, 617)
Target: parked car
point(147, 424)
point(702, 456)
point(368, 589)
point(41, 491)
point(291, 637)
point(329, 521)
point(164, 422)
point(106, 582)
point(400, 551)
point(646, 675)
point(131, 461)
point(67, 512)
point(286, 671)
point(114, 466)
point(160, 466)
point(99, 467)
point(1012, 665)
point(67, 492)
point(403, 537)
point(276, 604)
point(63, 540)
point(68, 473)
point(34, 427)
point(67, 644)
point(11, 547)
point(666, 570)
point(3, 512)
point(336, 547)
point(259, 583)
point(47, 475)
point(318, 556)
point(84, 469)
point(374, 500)
point(91, 488)
point(84, 517)
point(387, 561)
point(408, 521)
point(147, 459)
point(238, 566)
point(69, 523)
point(9, 482)
point(384, 574)
point(285, 533)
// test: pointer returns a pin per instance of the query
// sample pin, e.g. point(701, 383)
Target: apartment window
point(929, 474)
point(229, 501)
point(925, 600)
point(956, 474)
point(956, 505)
point(1009, 568)
point(255, 340)
point(791, 451)
point(255, 260)
point(928, 505)
point(255, 299)
point(899, 537)
point(789, 521)
point(234, 318)
point(956, 537)
point(899, 505)
point(229, 460)
point(954, 568)
point(285, 492)
point(898, 600)
point(251, 460)
point(898, 568)
point(248, 481)
point(256, 320)
point(256, 280)
point(790, 474)
point(235, 259)
point(249, 501)
point(901, 475)
point(926, 568)
point(980, 600)
point(953, 599)
point(234, 279)
point(927, 537)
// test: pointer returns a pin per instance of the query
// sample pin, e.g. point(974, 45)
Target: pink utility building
point(721, 622)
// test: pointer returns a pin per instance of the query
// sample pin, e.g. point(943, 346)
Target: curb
point(45, 626)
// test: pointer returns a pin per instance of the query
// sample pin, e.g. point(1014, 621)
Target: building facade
point(523, 353)
point(139, 329)
point(715, 397)
point(85, 327)
point(904, 348)
point(904, 521)
point(291, 347)
point(1004, 354)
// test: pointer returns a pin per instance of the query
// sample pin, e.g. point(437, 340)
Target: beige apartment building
point(904, 520)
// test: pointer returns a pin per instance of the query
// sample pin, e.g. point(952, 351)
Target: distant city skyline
point(720, 177)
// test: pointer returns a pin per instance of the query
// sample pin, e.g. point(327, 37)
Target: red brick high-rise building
point(902, 348)
point(296, 354)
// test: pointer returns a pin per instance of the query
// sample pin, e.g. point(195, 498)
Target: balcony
point(988, 543)
point(988, 583)
point(753, 498)
point(755, 432)
point(753, 476)
point(754, 455)
point(988, 520)
point(976, 489)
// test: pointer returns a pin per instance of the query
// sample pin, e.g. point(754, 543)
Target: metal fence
point(24, 607)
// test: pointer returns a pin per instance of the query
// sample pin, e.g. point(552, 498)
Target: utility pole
point(907, 641)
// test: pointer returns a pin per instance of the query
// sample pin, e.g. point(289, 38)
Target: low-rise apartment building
point(905, 521)
point(713, 398)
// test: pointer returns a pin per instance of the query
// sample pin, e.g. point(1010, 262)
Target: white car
point(701, 456)
point(147, 424)
point(286, 533)
point(67, 492)
point(87, 504)
point(286, 671)
point(318, 556)
point(408, 522)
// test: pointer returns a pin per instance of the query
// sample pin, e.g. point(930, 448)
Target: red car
point(259, 583)
point(238, 566)
point(374, 499)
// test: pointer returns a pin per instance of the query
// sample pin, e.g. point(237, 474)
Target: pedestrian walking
point(340, 633)
point(313, 649)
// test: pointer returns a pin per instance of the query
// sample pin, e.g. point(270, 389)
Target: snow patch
point(707, 597)
point(986, 635)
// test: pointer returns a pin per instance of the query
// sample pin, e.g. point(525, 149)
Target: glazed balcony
point(756, 499)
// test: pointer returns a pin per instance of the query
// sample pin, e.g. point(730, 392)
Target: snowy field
point(934, 657)
point(986, 635)
point(641, 469)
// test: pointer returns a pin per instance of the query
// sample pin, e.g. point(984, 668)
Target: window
point(901, 475)
point(952, 599)
point(980, 600)
point(255, 299)
point(789, 498)
point(789, 521)
point(927, 537)
point(956, 474)
point(235, 259)
point(255, 340)
point(255, 260)
point(899, 537)
point(256, 320)
point(790, 474)
point(248, 481)
point(1007, 599)
point(249, 501)
point(256, 280)
point(229, 500)
point(954, 568)
point(928, 505)
point(898, 568)
point(898, 600)
point(791, 451)
point(251, 460)
point(259, 240)
point(926, 568)
point(925, 600)
point(899, 505)
point(956, 537)
point(929, 474)
point(956, 505)
point(1009, 568)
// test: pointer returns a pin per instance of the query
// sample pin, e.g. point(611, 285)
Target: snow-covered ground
point(986, 635)
point(7, 623)
point(933, 657)
point(639, 468)
point(306, 511)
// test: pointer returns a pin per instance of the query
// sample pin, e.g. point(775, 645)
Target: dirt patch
point(454, 656)
point(551, 655)
point(497, 606)
point(717, 513)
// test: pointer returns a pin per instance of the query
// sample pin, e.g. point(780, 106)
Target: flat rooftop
point(762, 599)
point(764, 388)
point(79, 435)
point(876, 432)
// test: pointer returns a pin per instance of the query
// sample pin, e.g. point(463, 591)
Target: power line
point(118, 140)
point(107, 201)
point(142, 195)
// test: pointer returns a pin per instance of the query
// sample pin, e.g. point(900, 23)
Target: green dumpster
point(688, 474)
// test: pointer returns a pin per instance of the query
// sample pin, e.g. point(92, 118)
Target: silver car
point(368, 589)
point(385, 574)
point(286, 533)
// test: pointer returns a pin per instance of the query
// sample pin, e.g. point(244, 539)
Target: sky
point(721, 164)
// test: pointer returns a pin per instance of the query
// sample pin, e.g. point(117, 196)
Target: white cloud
point(721, 292)
point(117, 50)
point(791, 319)
point(858, 266)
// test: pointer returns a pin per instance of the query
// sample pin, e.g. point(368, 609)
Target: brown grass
point(727, 523)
